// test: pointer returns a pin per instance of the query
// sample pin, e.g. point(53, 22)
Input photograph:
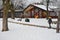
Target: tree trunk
point(12, 14)
point(5, 22)
point(58, 23)
point(57, 30)
point(47, 9)
point(5, 12)
point(12, 11)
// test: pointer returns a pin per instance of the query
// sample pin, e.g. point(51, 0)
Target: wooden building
point(18, 14)
point(39, 11)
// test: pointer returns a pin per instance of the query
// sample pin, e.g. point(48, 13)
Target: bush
point(27, 20)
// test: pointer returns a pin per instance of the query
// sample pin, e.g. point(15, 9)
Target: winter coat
point(49, 21)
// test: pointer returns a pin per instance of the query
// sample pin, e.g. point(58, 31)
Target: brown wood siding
point(41, 13)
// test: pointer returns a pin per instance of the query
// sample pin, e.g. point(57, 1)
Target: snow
point(41, 22)
point(43, 7)
point(24, 32)
point(53, 7)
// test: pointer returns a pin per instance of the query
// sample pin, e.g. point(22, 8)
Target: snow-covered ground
point(41, 22)
point(24, 32)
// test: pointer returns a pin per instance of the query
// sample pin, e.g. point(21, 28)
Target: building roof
point(50, 8)
point(42, 7)
point(39, 6)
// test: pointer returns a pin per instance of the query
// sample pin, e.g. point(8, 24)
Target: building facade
point(32, 11)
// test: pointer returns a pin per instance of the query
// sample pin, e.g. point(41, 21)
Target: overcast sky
point(27, 2)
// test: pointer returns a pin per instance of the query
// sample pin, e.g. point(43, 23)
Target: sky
point(0, 4)
point(27, 2)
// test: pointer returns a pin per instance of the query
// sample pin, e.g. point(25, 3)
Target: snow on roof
point(43, 7)
point(53, 7)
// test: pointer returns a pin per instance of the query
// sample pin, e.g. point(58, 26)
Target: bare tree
point(47, 9)
point(12, 11)
point(6, 7)
point(5, 12)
